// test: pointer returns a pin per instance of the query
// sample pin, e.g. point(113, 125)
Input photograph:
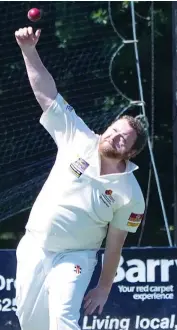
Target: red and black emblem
point(108, 192)
point(77, 269)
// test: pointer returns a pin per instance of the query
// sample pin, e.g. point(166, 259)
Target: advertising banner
point(143, 296)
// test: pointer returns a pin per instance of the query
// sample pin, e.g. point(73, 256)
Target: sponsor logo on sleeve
point(68, 106)
point(134, 220)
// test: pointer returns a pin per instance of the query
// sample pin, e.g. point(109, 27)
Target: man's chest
point(78, 185)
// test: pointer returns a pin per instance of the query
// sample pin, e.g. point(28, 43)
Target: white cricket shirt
point(76, 204)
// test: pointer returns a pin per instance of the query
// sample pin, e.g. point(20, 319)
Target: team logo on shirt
point(107, 198)
point(134, 220)
point(79, 167)
point(108, 192)
point(77, 269)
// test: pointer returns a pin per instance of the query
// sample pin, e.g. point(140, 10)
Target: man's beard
point(110, 152)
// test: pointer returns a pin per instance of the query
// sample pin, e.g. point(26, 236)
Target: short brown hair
point(140, 125)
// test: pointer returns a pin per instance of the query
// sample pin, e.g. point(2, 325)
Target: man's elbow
point(45, 100)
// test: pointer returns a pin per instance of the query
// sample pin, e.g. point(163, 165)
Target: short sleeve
point(61, 121)
point(129, 217)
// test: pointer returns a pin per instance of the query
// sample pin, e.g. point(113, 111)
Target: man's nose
point(115, 136)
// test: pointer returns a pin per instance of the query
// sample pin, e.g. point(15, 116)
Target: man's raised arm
point(41, 81)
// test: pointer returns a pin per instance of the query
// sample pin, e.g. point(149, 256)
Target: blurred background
point(76, 45)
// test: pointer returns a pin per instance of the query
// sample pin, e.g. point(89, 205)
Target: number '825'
point(8, 305)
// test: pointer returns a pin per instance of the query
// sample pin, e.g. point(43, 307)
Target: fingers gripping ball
point(34, 14)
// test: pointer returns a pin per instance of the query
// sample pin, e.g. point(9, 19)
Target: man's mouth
point(112, 144)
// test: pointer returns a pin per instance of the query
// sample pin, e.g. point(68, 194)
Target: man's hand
point(26, 38)
point(95, 298)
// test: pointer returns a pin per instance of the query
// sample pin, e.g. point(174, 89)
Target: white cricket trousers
point(50, 286)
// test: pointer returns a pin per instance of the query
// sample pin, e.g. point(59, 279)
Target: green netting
point(76, 46)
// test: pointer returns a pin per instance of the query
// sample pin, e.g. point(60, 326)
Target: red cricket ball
point(34, 14)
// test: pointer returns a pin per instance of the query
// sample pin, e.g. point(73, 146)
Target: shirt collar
point(130, 167)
